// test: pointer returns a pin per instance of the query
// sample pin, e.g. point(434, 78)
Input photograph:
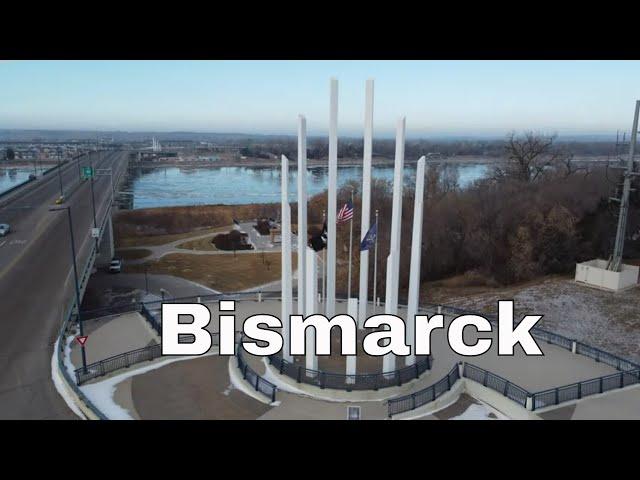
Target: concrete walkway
point(113, 336)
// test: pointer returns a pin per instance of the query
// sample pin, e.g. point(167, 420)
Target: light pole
point(75, 278)
point(93, 206)
point(60, 173)
point(146, 278)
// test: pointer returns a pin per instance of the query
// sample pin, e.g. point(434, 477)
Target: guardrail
point(361, 381)
point(251, 376)
point(424, 396)
point(111, 364)
point(496, 383)
point(578, 390)
point(472, 372)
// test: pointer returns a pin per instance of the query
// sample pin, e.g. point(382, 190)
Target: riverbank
point(342, 162)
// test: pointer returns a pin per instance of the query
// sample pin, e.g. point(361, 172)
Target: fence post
point(530, 403)
point(417, 370)
point(413, 401)
point(299, 373)
point(399, 378)
point(557, 396)
point(461, 369)
point(439, 309)
point(448, 383)
point(259, 297)
point(600, 384)
point(257, 382)
point(244, 372)
point(273, 394)
point(579, 390)
point(506, 387)
point(486, 375)
point(621, 379)
point(322, 379)
point(574, 346)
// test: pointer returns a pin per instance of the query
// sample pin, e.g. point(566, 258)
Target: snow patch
point(102, 393)
point(60, 383)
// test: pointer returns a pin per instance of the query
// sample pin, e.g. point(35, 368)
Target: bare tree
point(529, 156)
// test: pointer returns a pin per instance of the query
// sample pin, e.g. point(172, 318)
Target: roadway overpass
point(36, 277)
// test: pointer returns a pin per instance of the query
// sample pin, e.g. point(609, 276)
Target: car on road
point(4, 229)
point(115, 266)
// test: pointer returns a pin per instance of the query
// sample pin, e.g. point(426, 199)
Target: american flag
point(346, 213)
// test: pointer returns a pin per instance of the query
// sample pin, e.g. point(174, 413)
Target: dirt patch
point(198, 389)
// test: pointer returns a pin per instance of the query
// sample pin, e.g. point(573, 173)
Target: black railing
point(125, 360)
point(111, 364)
point(496, 383)
point(153, 321)
point(424, 396)
point(576, 391)
point(255, 380)
point(361, 381)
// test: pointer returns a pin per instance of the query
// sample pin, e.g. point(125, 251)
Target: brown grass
point(199, 244)
point(225, 273)
point(154, 240)
point(152, 222)
point(136, 254)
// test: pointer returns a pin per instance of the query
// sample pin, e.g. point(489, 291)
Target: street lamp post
point(60, 174)
point(93, 206)
point(75, 278)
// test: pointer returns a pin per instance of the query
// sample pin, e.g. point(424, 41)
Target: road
point(36, 283)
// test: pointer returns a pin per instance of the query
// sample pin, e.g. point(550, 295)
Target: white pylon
point(363, 292)
point(285, 235)
point(311, 359)
point(332, 200)
point(416, 254)
point(302, 213)
point(393, 262)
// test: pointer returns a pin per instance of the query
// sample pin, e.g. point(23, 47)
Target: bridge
point(36, 274)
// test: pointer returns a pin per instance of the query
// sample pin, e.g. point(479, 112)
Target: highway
point(36, 281)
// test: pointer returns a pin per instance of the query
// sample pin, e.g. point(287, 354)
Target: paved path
point(260, 243)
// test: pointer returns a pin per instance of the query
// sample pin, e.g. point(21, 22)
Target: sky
point(448, 98)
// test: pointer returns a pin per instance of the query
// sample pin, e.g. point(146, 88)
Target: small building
point(594, 273)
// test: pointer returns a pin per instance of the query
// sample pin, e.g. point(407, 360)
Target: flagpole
point(350, 248)
point(375, 265)
point(324, 263)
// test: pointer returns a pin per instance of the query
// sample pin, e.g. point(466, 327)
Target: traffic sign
point(82, 339)
point(87, 172)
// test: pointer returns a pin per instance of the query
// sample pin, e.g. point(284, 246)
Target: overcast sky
point(438, 97)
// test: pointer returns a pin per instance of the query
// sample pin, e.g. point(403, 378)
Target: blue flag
point(369, 239)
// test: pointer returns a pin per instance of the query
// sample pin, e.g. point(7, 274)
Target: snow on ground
point(610, 321)
point(59, 382)
point(476, 412)
point(101, 393)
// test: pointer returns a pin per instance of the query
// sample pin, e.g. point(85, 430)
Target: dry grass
point(155, 240)
point(225, 273)
point(199, 244)
point(136, 254)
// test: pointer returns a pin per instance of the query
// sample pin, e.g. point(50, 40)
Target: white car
point(4, 229)
point(115, 266)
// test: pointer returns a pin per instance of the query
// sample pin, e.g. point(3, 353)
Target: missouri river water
point(175, 186)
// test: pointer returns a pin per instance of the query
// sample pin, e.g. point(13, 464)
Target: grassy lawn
point(154, 240)
point(132, 254)
point(199, 244)
point(225, 273)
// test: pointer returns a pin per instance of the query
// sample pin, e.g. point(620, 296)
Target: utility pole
point(616, 259)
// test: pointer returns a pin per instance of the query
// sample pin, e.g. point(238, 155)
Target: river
point(149, 187)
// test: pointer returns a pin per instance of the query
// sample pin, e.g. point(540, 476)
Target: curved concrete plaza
point(212, 387)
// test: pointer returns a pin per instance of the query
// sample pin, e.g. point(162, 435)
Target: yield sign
point(82, 339)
